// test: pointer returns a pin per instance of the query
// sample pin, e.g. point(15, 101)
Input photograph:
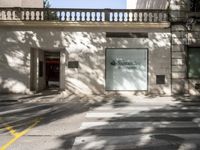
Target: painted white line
point(119, 114)
point(103, 114)
point(136, 108)
point(132, 125)
point(127, 108)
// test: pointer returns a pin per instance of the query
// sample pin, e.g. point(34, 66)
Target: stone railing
point(83, 15)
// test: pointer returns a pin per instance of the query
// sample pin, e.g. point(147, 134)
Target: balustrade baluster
point(77, 17)
point(150, 17)
point(101, 16)
point(6, 15)
point(23, 15)
point(118, 16)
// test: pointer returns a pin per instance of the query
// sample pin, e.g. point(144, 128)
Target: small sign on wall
point(73, 64)
point(160, 79)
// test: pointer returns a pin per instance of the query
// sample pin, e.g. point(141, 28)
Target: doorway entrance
point(47, 69)
point(52, 60)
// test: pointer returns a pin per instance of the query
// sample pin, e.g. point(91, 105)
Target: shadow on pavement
point(171, 127)
point(174, 126)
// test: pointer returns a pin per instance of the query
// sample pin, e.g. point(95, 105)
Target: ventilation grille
point(126, 35)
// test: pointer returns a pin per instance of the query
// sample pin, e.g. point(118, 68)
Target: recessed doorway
point(47, 69)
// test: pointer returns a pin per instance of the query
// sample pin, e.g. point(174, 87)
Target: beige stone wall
point(182, 38)
point(22, 3)
point(32, 3)
point(147, 4)
point(84, 45)
point(179, 67)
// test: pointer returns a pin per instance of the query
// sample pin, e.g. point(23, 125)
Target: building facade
point(21, 3)
point(150, 48)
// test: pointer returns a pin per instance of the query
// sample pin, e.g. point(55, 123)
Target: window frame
point(194, 5)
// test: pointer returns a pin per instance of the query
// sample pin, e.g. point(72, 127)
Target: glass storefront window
point(126, 69)
point(194, 63)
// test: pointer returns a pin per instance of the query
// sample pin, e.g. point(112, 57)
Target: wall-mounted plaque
point(73, 64)
point(160, 79)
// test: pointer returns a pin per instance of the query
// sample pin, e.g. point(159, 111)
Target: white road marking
point(134, 125)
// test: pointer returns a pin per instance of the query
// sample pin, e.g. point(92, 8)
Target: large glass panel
point(195, 5)
point(194, 63)
point(126, 69)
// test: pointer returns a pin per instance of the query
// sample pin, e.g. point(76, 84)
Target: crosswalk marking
point(118, 114)
point(138, 126)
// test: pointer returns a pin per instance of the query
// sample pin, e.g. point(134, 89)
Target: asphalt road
point(53, 122)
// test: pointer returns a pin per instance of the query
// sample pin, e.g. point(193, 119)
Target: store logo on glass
point(125, 64)
point(113, 63)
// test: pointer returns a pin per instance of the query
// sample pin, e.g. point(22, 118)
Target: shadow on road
point(174, 126)
point(148, 124)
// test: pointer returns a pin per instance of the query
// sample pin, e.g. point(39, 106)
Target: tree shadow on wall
point(87, 46)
